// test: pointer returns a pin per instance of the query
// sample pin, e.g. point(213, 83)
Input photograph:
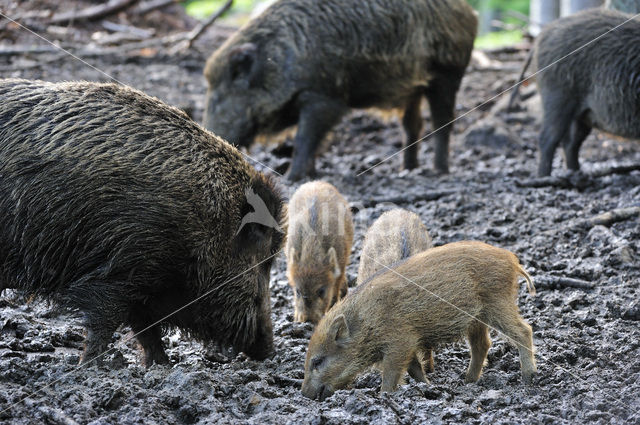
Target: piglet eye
point(321, 292)
point(316, 362)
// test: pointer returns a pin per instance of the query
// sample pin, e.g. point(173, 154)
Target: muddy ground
point(585, 328)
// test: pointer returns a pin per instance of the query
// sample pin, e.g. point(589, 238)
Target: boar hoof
point(155, 356)
point(299, 171)
point(294, 176)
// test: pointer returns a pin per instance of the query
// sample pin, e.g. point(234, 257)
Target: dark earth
point(585, 316)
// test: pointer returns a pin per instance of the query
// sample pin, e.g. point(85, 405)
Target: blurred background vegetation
point(502, 22)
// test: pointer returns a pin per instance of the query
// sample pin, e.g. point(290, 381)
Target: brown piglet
point(461, 289)
point(394, 236)
point(318, 247)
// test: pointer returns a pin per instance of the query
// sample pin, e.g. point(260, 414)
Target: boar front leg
point(558, 114)
point(149, 337)
point(412, 123)
point(318, 114)
point(394, 365)
point(441, 95)
point(578, 132)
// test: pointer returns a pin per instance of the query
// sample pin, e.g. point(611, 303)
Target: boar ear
point(339, 330)
point(333, 262)
point(259, 231)
point(242, 60)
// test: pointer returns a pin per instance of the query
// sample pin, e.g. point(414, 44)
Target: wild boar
point(308, 62)
point(394, 236)
point(318, 246)
point(438, 296)
point(592, 81)
point(121, 207)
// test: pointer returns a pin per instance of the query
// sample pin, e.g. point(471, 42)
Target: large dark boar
point(307, 62)
point(435, 297)
point(119, 206)
point(589, 84)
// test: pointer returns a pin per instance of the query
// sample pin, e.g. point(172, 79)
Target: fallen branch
point(26, 50)
point(21, 18)
point(616, 169)
point(426, 196)
point(198, 30)
point(613, 216)
point(141, 33)
point(37, 64)
point(559, 282)
point(93, 12)
point(148, 6)
point(576, 180)
point(553, 181)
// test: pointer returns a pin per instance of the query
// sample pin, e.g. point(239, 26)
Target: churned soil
point(587, 271)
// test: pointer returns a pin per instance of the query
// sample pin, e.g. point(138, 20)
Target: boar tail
point(514, 93)
point(527, 277)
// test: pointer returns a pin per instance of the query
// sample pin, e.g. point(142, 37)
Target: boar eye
point(321, 292)
point(316, 362)
point(298, 293)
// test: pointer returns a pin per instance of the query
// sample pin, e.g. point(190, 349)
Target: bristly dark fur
point(307, 62)
point(591, 84)
point(119, 206)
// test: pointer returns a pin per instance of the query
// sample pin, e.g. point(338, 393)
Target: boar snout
point(262, 348)
point(226, 120)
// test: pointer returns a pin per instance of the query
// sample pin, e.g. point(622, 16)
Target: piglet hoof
point(468, 379)
point(527, 378)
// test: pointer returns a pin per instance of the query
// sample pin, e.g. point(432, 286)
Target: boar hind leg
point(479, 342)
point(412, 123)
point(519, 333)
point(557, 118)
point(441, 95)
point(150, 338)
point(578, 132)
point(317, 116)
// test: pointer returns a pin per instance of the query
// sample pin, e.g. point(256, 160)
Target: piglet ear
point(243, 61)
point(333, 262)
point(339, 330)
